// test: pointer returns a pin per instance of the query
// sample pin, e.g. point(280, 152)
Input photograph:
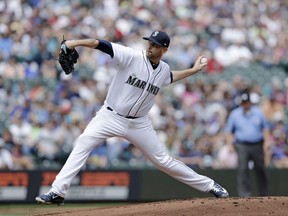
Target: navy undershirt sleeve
point(106, 47)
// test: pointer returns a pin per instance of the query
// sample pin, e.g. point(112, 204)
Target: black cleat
point(50, 198)
point(219, 191)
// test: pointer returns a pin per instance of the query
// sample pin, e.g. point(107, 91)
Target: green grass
point(36, 209)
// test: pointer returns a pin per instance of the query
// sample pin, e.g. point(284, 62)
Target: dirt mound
point(277, 206)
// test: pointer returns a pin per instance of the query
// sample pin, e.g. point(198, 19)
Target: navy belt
point(128, 117)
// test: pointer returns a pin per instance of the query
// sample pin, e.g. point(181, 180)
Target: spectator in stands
point(46, 145)
point(189, 154)
point(6, 162)
point(273, 110)
point(20, 153)
point(21, 160)
point(21, 131)
point(226, 159)
point(279, 146)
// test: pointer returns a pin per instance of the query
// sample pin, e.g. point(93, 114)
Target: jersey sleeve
point(123, 55)
point(106, 47)
point(169, 76)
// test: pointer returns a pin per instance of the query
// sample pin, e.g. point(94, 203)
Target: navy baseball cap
point(159, 37)
point(245, 97)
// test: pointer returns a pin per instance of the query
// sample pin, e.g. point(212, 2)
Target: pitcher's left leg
point(144, 137)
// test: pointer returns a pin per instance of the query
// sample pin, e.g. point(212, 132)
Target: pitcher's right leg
point(101, 127)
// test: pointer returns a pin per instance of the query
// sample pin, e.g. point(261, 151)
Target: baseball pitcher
point(139, 78)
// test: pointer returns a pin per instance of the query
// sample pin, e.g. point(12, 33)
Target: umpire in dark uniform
point(248, 134)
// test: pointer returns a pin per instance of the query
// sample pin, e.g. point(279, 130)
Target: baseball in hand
point(203, 60)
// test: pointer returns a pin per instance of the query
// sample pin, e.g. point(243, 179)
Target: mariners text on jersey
point(134, 81)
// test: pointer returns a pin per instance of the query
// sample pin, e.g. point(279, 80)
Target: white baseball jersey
point(136, 83)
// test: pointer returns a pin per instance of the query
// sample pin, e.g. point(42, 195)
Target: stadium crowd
point(43, 110)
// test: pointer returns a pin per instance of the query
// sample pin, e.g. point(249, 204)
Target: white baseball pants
point(138, 131)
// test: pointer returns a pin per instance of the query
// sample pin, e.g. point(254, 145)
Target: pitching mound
point(277, 206)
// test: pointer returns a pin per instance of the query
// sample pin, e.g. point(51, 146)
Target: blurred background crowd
point(43, 110)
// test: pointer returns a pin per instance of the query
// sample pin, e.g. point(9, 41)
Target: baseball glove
point(67, 58)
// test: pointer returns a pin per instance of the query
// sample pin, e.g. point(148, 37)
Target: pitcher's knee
point(81, 139)
point(162, 160)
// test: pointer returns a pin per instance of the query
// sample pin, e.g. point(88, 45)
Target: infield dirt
point(261, 206)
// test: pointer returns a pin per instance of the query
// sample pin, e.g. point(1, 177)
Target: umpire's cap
point(245, 97)
point(159, 37)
